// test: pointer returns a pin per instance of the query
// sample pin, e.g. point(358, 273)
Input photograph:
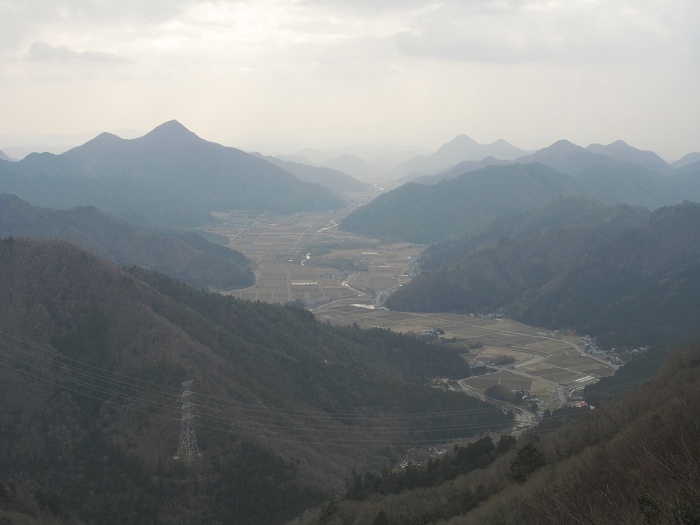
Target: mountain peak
point(622, 151)
point(460, 141)
point(171, 130)
point(171, 125)
point(564, 145)
point(459, 148)
point(105, 138)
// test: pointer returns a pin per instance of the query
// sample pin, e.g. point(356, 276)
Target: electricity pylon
point(187, 448)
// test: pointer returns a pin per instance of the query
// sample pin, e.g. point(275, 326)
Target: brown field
point(506, 379)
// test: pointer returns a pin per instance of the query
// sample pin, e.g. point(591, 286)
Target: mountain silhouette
point(170, 175)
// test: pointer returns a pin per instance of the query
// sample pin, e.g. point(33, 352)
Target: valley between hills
point(345, 278)
point(331, 350)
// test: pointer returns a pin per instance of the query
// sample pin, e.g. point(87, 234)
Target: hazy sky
point(318, 73)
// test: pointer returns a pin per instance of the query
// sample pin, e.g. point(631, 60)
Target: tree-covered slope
point(184, 255)
point(561, 212)
point(92, 361)
point(421, 213)
point(633, 279)
point(632, 461)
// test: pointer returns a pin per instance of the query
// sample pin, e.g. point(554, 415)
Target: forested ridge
point(562, 212)
point(92, 357)
point(185, 255)
point(420, 213)
point(632, 278)
point(458, 206)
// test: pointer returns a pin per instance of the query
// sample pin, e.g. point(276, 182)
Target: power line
point(277, 434)
point(247, 427)
point(245, 407)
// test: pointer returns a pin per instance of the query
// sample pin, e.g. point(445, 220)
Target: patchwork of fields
point(344, 279)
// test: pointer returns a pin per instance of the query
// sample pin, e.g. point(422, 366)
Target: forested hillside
point(631, 279)
point(92, 358)
point(184, 255)
point(632, 461)
point(420, 213)
point(561, 212)
point(461, 205)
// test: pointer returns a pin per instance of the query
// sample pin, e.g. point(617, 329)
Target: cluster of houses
point(430, 333)
point(591, 347)
point(486, 316)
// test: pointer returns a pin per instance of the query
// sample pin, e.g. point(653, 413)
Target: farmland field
point(344, 279)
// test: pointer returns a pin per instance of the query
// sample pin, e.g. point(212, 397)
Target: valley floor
point(344, 278)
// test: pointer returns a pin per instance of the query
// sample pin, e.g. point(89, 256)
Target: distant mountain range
point(566, 157)
point(461, 148)
point(361, 162)
point(20, 145)
point(184, 255)
point(622, 151)
point(170, 175)
point(338, 182)
point(465, 197)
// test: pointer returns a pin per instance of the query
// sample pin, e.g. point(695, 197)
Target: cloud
point(547, 31)
point(25, 20)
point(43, 52)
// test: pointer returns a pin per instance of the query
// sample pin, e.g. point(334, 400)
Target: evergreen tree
point(527, 460)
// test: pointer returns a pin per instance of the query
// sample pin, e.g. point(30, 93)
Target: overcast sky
point(321, 73)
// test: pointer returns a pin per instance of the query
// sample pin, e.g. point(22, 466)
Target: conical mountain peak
point(171, 130)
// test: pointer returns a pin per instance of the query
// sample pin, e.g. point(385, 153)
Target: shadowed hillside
point(184, 255)
point(632, 461)
point(450, 208)
point(92, 360)
point(630, 279)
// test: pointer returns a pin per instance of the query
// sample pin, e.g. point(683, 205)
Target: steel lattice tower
point(187, 448)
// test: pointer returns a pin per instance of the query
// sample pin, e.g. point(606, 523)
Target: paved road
point(523, 418)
